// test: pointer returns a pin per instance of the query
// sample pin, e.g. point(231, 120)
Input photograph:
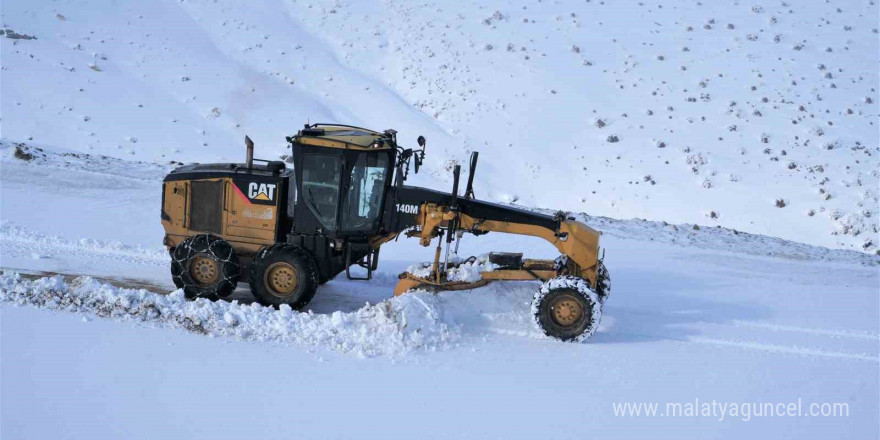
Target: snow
point(719, 108)
point(388, 329)
point(708, 313)
point(719, 294)
point(723, 326)
point(467, 271)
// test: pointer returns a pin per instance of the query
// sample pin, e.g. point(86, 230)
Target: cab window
point(363, 200)
point(320, 187)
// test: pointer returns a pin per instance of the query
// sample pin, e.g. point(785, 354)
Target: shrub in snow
point(22, 154)
point(497, 16)
point(696, 159)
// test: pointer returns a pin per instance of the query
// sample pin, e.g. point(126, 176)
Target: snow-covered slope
point(696, 313)
point(759, 116)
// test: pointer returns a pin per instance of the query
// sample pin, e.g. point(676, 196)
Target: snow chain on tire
point(211, 247)
point(603, 283)
point(575, 292)
point(603, 278)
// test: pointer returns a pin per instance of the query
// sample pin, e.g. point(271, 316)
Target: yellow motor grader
point(286, 231)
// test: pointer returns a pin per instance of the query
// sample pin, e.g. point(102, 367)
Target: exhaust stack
point(250, 152)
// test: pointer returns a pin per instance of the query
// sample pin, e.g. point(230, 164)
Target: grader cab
point(286, 231)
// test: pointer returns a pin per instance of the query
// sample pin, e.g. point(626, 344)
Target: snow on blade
point(467, 271)
point(390, 328)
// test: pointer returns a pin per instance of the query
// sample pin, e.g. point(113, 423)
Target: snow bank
point(390, 328)
point(16, 241)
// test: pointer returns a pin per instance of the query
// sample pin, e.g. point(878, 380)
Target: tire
point(283, 274)
point(603, 283)
point(567, 309)
point(603, 278)
point(205, 266)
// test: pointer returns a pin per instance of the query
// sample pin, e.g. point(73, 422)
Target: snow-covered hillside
point(705, 313)
point(759, 116)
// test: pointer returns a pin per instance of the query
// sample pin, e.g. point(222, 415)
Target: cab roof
point(345, 136)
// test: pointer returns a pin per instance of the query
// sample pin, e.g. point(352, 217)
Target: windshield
point(320, 186)
point(364, 198)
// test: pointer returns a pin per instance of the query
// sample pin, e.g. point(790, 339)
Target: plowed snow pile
point(389, 328)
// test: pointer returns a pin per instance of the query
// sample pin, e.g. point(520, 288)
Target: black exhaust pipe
point(249, 159)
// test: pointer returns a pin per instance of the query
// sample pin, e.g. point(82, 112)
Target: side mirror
point(418, 163)
point(421, 141)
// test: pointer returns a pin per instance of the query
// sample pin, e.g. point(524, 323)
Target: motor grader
point(286, 231)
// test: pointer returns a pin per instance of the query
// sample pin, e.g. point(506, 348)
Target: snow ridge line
point(26, 240)
point(72, 161)
point(813, 331)
point(390, 328)
point(772, 348)
point(724, 239)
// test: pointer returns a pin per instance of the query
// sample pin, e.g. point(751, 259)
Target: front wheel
point(603, 283)
point(567, 309)
point(284, 274)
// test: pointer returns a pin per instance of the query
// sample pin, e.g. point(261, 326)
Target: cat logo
point(261, 191)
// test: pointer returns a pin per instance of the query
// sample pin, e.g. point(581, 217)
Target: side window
point(320, 185)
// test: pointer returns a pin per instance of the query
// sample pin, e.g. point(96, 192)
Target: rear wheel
point(284, 274)
point(205, 266)
point(567, 309)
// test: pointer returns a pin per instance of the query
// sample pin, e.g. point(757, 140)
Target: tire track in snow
point(784, 349)
point(812, 331)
